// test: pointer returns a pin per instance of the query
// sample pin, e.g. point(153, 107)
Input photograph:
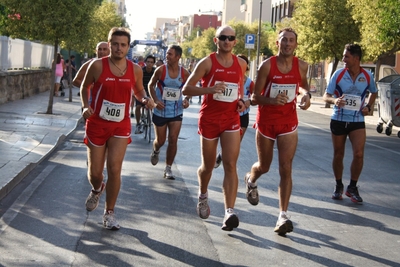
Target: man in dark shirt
point(148, 71)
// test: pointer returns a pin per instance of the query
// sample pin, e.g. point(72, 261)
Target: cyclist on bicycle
point(148, 71)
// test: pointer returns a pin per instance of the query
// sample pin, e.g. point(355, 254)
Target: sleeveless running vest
point(111, 95)
point(212, 105)
point(278, 82)
point(169, 90)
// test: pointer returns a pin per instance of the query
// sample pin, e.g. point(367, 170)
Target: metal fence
point(16, 54)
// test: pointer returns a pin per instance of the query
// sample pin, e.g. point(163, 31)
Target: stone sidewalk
point(28, 135)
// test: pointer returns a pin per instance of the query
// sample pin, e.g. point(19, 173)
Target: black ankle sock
point(353, 183)
point(339, 182)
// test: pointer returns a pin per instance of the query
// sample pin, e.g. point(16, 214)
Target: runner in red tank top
point(277, 86)
point(222, 86)
point(108, 125)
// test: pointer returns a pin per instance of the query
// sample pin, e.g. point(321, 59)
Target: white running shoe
point(92, 201)
point(283, 225)
point(109, 221)
point(251, 192)
point(154, 157)
point(168, 173)
point(203, 210)
point(231, 220)
point(138, 129)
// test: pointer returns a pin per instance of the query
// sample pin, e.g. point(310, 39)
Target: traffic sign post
point(249, 41)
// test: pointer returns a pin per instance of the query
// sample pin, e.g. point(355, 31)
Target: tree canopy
point(203, 45)
point(379, 22)
point(71, 24)
point(324, 27)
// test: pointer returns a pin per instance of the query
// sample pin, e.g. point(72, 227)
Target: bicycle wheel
point(144, 124)
point(148, 111)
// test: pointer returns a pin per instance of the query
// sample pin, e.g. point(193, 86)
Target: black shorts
point(244, 120)
point(344, 128)
point(161, 121)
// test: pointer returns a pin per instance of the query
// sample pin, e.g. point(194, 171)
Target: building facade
point(281, 9)
point(121, 8)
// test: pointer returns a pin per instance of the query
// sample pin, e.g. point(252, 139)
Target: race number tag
point(230, 94)
point(171, 94)
point(112, 111)
point(353, 102)
point(287, 89)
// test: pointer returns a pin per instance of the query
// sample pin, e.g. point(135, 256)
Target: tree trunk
point(70, 77)
point(334, 66)
point(310, 73)
point(53, 80)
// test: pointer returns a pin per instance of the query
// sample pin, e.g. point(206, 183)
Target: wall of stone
point(23, 83)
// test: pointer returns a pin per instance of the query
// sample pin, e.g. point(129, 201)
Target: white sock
point(203, 196)
point(251, 184)
point(228, 210)
point(97, 190)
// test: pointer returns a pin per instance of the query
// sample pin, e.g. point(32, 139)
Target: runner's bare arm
point(91, 75)
point(304, 86)
point(261, 81)
point(202, 68)
point(153, 82)
point(80, 75)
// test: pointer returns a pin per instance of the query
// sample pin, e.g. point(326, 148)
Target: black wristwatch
point(309, 94)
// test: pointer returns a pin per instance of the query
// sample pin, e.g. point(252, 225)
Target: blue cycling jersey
point(354, 93)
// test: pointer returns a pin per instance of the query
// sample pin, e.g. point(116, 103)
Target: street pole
point(259, 36)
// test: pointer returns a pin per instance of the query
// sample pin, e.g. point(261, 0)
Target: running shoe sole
point(251, 200)
point(169, 177)
point(284, 228)
point(230, 223)
point(353, 199)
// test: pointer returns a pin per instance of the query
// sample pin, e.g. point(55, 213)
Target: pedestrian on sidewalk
point(280, 79)
point(347, 90)
point(108, 125)
point(222, 86)
point(58, 73)
point(165, 88)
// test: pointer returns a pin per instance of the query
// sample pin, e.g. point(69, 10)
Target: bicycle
point(146, 122)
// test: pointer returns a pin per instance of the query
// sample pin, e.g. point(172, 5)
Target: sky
point(141, 15)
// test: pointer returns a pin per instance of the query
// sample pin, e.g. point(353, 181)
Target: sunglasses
point(224, 37)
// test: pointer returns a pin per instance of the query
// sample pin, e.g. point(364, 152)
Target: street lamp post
point(259, 36)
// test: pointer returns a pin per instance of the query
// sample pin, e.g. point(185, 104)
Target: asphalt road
point(44, 221)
